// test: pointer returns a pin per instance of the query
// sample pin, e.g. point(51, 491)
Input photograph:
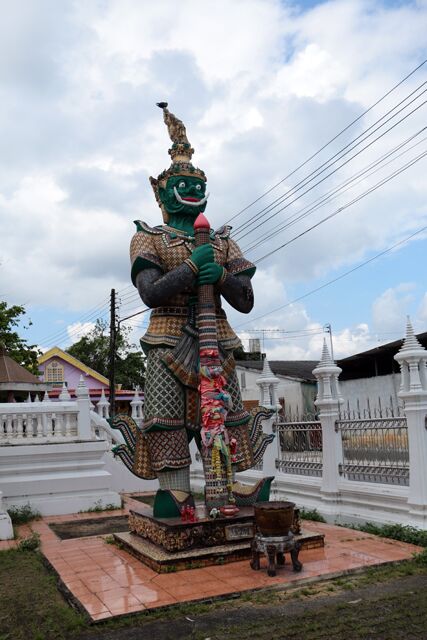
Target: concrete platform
point(163, 561)
point(105, 581)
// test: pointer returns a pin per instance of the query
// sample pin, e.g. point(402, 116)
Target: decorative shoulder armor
point(223, 232)
point(145, 228)
point(143, 251)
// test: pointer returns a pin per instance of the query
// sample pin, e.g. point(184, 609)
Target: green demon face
point(184, 195)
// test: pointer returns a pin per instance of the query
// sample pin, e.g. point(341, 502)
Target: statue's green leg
point(174, 493)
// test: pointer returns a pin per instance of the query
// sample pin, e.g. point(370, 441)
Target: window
point(54, 372)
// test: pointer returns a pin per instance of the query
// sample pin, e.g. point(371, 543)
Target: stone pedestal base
point(168, 544)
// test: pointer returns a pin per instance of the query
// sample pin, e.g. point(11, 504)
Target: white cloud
point(260, 90)
point(389, 310)
point(78, 330)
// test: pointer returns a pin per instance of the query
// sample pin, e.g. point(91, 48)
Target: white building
point(369, 381)
point(296, 389)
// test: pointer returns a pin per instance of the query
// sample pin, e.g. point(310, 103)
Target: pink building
point(58, 367)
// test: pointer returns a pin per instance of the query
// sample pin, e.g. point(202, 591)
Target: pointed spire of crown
point(181, 149)
point(181, 153)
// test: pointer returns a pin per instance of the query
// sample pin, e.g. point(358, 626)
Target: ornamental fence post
point(267, 383)
point(83, 418)
point(137, 408)
point(6, 529)
point(328, 402)
point(412, 358)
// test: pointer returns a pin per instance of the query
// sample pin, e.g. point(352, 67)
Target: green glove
point(202, 255)
point(210, 273)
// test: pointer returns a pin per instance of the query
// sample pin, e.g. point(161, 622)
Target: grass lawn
point(31, 607)
point(384, 603)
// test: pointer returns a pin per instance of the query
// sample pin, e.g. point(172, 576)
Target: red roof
point(12, 372)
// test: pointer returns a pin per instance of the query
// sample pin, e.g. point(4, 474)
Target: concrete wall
point(56, 478)
point(377, 390)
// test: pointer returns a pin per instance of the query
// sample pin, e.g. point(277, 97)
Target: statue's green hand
point(202, 255)
point(210, 273)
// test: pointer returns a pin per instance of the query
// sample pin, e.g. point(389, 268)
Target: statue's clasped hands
point(209, 272)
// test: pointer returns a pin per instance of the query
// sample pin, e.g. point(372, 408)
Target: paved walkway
point(108, 581)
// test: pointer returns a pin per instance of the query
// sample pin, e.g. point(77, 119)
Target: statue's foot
point(168, 503)
point(246, 495)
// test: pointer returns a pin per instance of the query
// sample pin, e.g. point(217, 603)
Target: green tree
point(17, 347)
point(93, 350)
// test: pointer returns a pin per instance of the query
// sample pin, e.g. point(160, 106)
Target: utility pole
point(112, 358)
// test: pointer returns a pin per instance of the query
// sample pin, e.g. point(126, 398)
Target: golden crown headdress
point(181, 153)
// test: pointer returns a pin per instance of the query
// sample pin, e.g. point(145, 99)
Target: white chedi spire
point(412, 357)
point(64, 395)
point(267, 375)
point(82, 390)
point(103, 405)
point(411, 341)
point(137, 403)
point(326, 360)
point(327, 373)
point(268, 383)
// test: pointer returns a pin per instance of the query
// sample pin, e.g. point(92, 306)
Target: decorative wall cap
point(82, 390)
point(267, 376)
point(64, 395)
point(326, 364)
point(102, 399)
point(411, 346)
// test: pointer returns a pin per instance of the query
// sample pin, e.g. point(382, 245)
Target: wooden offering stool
point(274, 548)
point(273, 536)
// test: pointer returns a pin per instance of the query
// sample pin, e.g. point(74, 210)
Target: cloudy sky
point(261, 85)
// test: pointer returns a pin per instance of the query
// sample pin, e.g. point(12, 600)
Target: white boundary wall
point(52, 457)
point(350, 501)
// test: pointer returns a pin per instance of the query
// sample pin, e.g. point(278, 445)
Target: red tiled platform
point(107, 581)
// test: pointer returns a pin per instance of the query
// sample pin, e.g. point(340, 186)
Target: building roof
point(298, 369)
point(374, 362)
point(63, 355)
point(13, 373)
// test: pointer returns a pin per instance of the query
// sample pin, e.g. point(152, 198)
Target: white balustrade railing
point(101, 430)
point(22, 423)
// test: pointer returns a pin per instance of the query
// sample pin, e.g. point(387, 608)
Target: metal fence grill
point(375, 450)
point(299, 448)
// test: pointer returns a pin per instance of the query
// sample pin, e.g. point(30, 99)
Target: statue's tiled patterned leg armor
point(169, 450)
point(164, 398)
point(177, 480)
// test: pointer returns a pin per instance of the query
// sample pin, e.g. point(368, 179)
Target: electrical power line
point(88, 317)
point(293, 190)
point(345, 186)
point(411, 73)
point(128, 296)
point(340, 277)
point(345, 206)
